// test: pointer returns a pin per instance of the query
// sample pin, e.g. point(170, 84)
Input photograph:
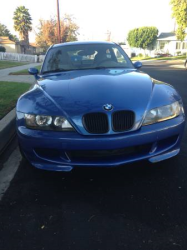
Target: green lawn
point(137, 58)
point(24, 71)
point(8, 64)
point(9, 93)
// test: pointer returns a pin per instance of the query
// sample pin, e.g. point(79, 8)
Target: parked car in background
point(91, 106)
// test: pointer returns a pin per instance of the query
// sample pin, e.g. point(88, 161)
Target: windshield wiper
point(54, 70)
point(93, 68)
point(101, 67)
point(104, 67)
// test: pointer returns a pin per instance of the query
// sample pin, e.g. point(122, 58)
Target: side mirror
point(137, 65)
point(33, 71)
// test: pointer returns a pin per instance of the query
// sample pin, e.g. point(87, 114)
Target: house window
point(184, 45)
point(162, 45)
point(178, 45)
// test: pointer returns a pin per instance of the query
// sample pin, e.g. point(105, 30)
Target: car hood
point(79, 92)
point(76, 93)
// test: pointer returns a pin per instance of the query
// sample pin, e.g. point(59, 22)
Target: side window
point(119, 57)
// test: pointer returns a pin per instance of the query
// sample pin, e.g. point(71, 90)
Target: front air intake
point(96, 123)
point(123, 120)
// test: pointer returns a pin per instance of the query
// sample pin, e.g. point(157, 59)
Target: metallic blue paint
point(33, 71)
point(80, 43)
point(164, 156)
point(137, 65)
point(74, 93)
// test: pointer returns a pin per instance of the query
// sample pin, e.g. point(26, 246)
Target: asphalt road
point(137, 206)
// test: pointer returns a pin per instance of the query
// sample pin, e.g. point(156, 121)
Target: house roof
point(33, 44)
point(167, 36)
point(5, 40)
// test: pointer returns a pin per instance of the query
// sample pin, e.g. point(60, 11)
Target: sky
point(96, 17)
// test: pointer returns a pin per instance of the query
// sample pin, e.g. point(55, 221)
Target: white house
point(9, 45)
point(17, 47)
point(168, 43)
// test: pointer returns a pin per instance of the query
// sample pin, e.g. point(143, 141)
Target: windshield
point(85, 56)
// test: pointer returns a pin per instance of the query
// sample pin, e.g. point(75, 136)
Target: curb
point(7, 129)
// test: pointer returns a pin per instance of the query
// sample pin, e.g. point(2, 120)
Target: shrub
point(140, 55)
point(2, 49)
point(178, 53)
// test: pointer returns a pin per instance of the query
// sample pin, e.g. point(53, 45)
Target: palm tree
point(22, 23)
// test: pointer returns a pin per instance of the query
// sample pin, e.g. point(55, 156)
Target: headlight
point(45, 122)
point(163, 113)
point(61, 122)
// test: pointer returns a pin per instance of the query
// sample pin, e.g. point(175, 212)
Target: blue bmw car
point(91, 106)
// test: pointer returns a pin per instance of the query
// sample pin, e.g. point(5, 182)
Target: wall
point(9, 47)
point(170, 47)
point(18, 48)
point(39, 50)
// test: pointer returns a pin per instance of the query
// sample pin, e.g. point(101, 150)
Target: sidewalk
point(168, 62)
point(4, 74)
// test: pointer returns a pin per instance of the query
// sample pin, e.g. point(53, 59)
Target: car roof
point(80, 43)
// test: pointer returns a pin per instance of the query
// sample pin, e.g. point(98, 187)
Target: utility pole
point(108, 39)
point(58, 22)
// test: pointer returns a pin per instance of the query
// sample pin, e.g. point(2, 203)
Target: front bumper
point(59, 151)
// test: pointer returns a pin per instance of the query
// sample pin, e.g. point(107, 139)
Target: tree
point(69, 29)
point(22, 23)
point(4, 31)
point(48, 35)
point(179, 12)
point(142, 37)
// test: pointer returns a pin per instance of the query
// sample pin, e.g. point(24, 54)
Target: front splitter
point(165, 156)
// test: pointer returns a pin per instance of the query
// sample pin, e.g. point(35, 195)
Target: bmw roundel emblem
point(108, 107)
